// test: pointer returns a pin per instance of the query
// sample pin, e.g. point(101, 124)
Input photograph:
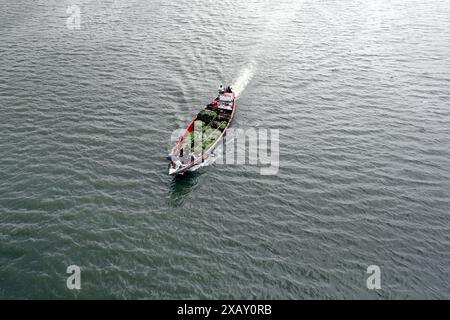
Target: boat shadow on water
point(181, 187)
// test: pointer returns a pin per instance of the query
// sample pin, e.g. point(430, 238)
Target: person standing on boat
point(181, 155)
point(193, 157)
point(172, 159)
point(221, 89)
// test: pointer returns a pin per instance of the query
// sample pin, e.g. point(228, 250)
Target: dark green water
point(359, 90)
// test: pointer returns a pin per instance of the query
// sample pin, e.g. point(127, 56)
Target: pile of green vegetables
point(206, 130)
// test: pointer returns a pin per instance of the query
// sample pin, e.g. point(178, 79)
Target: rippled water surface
point(359, 90)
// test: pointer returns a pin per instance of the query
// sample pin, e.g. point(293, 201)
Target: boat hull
point(182, 168)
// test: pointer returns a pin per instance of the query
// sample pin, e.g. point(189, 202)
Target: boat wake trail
point(246, 75)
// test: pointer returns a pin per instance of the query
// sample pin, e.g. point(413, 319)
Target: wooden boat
point(203, 134)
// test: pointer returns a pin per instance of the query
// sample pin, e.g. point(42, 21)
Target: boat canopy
point(225, 98)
